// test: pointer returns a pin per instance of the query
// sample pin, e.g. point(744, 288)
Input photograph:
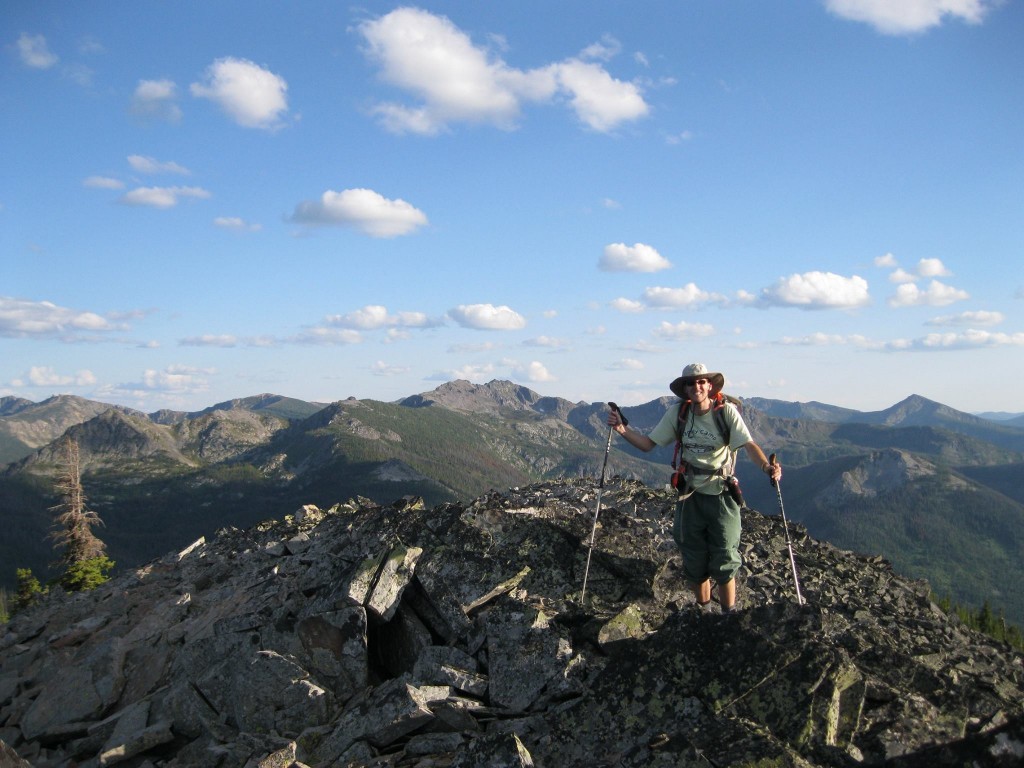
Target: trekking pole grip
point(771, 462)
point(622, 416)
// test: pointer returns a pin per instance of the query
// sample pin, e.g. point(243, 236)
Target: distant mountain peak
point(462, 395)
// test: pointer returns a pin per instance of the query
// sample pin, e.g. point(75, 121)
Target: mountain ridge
point(235, 462)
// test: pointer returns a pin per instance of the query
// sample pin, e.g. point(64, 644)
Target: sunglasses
point(701, 382)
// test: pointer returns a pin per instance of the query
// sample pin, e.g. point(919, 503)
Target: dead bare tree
point(73, 521)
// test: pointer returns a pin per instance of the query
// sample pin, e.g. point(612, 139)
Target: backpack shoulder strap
point(684, 410)
point(719, 413)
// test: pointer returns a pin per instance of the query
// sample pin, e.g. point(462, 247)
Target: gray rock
point(455, 636)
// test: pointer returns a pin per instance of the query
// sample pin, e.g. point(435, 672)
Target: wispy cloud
point(548, 342)
point(625, 364)
point(210, 340)
point(236, 223)
point(380, 368)
point(969, 319)
point(157, 100)
point(150, 165)
point(34, 52)
point(969, 339)
point(102, 182)
point(322, 335)
point(819, 339)
point(162, 197)
point(932, 342)
point(683, 330)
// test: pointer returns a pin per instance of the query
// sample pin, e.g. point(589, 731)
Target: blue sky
point(208, 200)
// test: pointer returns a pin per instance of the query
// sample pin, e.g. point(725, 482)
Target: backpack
point(680, 467)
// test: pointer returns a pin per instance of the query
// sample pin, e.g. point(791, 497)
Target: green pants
point(707, 531)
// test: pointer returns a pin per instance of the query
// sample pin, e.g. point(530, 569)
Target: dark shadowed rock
point(454, 636)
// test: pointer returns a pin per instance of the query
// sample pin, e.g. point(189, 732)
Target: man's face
point(699, 389)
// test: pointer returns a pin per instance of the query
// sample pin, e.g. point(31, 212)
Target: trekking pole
point(785, 527)
point(600, 492)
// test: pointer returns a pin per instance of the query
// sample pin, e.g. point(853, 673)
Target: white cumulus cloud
point(619, 257)
point(487, 317)
point(817, 290)
point(44, 376)
point(21, 318)
point(365, 210)
point(932, 268)
point(450, 79)
point(629, 306)
point(177, 378)
point(904, 17)
point(533, 371)
point(937, 294)
point(250, 95)
point(688, 295)
point(600, 101)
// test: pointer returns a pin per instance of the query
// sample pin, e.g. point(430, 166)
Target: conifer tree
point(29, 589)
point(74, 523)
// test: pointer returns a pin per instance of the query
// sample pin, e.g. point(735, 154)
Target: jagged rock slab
point(455, 636)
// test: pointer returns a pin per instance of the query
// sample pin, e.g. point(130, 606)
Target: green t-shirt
point(702, 444)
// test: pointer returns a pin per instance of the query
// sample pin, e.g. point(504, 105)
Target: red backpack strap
point(684, 410)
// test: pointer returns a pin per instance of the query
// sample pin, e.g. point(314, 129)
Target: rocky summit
point(456, 636)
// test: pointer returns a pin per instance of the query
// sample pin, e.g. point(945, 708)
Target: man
point(706, 527)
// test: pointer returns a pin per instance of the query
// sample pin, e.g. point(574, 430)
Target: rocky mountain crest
point(454, 636)
point(493, 397)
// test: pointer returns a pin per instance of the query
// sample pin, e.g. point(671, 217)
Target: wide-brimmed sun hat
point(695, 371)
